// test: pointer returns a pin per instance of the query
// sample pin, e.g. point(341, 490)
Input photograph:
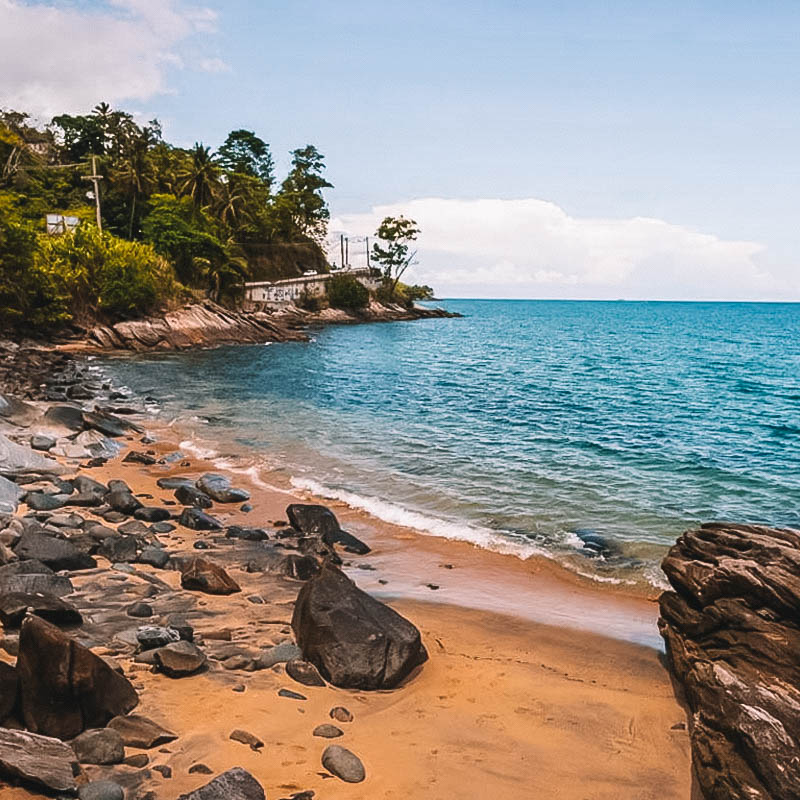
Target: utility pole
point(341, 247)
point(347, 250)
point(367, 241)
point(95, 179)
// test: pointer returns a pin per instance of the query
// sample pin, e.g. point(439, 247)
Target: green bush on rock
point(344, 291)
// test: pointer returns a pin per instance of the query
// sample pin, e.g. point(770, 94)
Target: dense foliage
point(176, 221)
point(392, 253)
point(345, 291)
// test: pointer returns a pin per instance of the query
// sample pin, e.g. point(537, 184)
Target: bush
point(344, 291)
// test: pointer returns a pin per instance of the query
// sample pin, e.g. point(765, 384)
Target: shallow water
point(527, 426)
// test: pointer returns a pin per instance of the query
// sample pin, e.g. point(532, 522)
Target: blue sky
point(684, 113)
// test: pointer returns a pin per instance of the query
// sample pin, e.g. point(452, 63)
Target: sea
point(590, 433)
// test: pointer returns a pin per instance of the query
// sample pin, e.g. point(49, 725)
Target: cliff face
point(732, 629)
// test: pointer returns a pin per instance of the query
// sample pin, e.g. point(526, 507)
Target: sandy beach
point(539, 685)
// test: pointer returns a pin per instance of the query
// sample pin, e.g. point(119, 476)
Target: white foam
point(397, 515)
point(198, 451)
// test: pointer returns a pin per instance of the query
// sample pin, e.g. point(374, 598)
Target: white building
point(262, 294)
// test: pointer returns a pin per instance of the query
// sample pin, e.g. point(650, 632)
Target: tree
point(244, 153)
point(200, 176)
point(393, 250)
point(301, 197)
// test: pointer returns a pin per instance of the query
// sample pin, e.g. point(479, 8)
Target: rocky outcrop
point(198, 325)
point(64, 687)
point(38, 761)
point(732, 629)
point(355, 641)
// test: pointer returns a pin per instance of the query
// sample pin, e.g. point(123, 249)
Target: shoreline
point(538, 684)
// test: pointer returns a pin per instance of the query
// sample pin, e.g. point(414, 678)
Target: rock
point(355, 641)
point(166, 771)
point(136, 457)
point(151, 637)
point(39, 761)
point(63, 418)
point(155, 556)
point(109, 424)
point(219, 488)
point(192, 496)
point(291, 695)
point(731, 627)
point(248, 534)
point(180, 659)
point(278, 655)
point(123, 500)
point(174, 483)
point(139, 731)
point(206, 576)
point(133, 527)
point(152, 514)
point(246, 507)
point(33, 577)
point(64, 687)
point(9, 690)
point(200, 769)
point(301, 568)
point(10, 495)
point(246, 738)
point(87, 487)
point(44, 501)
point(14, 606)
point(99, 746)
point(327, 731)
point(55, 553)
point(341, 714)
point(197, 520)
point(98, 446)
point(137, 760)
point(17, 412)
point(119, 549)
point(304, 673)
point(321, 521)
point(42, 442)
point(162, 527)
point(139, 610)
point(235, 784)
point(16, 459)
point(339, 761)
point(101, 790)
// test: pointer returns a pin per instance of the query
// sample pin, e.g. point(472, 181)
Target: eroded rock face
point(355, 641)
point(64, 687)
point(39, 761)
point(732, 629)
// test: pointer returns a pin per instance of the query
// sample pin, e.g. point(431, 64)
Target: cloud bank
point(56, 57)
point(533, 248)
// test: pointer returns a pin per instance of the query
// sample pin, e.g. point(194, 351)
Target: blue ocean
point(588, 432)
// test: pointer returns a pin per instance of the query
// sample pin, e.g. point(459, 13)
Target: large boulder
point(315, 520)
point(206, 576)
point(732, 630)
point(14, 606)
point(16, 459)
point(180, 659)
point(9, 690)
point(142, 732)
point(219, 488)
point(51, 551)
point(10, 495)
point(197, 520)
point(64, 687)
point(354, 640)
point(18, 412)
point(33, 577)
point(39, 761)
point(235, 784)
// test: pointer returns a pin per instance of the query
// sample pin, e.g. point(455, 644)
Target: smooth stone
point(246, 738)
point(347, 766)
point(141, 732)
point(152, 514)
point(219, 488)
point(42, 442)
point(341, 714)
point(327, 731)
point(180, 659)
point(192, 496)
point(99, 746)
point(101, 790)
point(154, 556)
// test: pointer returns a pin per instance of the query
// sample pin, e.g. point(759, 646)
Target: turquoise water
point(527, 426)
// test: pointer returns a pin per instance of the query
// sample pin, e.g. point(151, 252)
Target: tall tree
point(301, 193)
point(244, 153)
point(201, 176)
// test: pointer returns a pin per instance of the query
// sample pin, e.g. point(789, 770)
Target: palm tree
point(201, 176)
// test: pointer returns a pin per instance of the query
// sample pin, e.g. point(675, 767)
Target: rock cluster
point(732, 630)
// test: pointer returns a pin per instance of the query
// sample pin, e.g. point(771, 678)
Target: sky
point(616, 149)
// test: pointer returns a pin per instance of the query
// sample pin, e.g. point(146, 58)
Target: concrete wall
point(277, 293)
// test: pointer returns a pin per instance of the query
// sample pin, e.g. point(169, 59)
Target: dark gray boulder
point(180, 659)
point(354, 640)
point(44, 501)
point(191, 496)
point(14, 606)
point(247, 534)
point(123, 500)
point(41, 762)
point(101, 790)
point(151, 514)
point(732, 629)
point(51, 551)
point(16, 459)
point(235, 784)
point(64, 417)
point(197, 520)
point(41, 442)
point(219, 488)
point(64, 687)
point(33, 577)
point(9, 690)
point(154, 556)
point(109, 424)
point(119, 549)
point(321, 521)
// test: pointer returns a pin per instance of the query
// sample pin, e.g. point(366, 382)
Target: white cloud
point(56, 57)
point(533, 248)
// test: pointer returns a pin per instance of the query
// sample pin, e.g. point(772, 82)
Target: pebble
point(200, 769)
point(341, 714)
point(343, 764)
point(163, 769)
point(327, 731)
point(246, 738)
point(291, 695)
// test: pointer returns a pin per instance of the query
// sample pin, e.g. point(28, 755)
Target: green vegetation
point(345, 291)
point(392, 253)
point(177, 223)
